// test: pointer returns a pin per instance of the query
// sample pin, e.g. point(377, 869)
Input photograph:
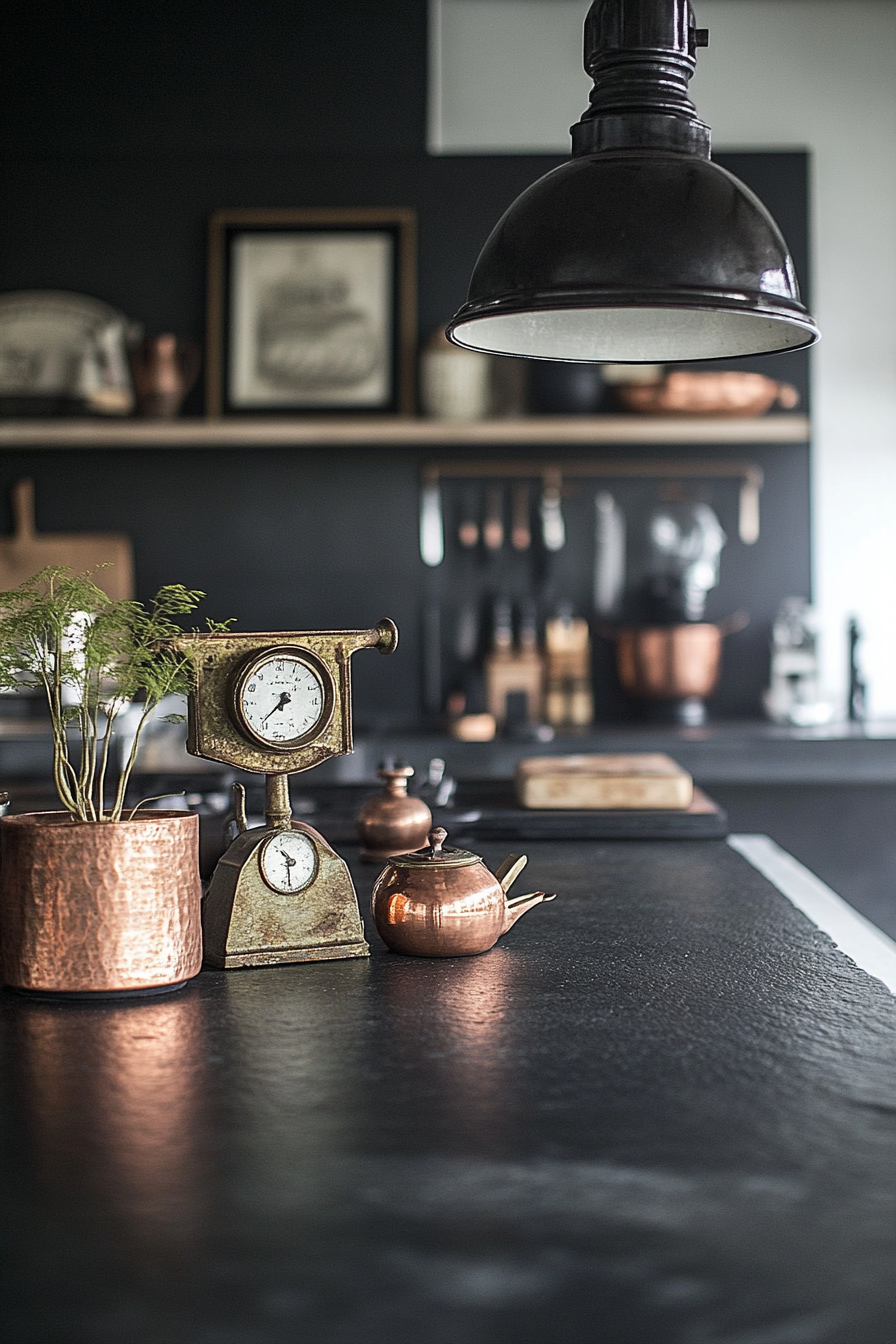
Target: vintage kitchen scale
point(277, 704)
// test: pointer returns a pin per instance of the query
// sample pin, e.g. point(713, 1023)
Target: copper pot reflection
point(116, 1106)
point(444, 902)
point(89, 907)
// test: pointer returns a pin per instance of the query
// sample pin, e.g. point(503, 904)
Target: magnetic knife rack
point(552, 473)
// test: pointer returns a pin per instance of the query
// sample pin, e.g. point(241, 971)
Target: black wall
point(122, 129)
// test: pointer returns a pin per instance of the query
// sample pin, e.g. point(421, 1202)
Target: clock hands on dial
point(285, 699)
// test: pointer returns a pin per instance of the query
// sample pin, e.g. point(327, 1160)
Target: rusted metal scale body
point(249, 923)
point(276, 704)
point(217, 723)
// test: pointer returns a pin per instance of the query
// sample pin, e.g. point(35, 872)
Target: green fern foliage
point(93, 657)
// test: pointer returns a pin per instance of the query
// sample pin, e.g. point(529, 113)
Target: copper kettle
point(444, 902)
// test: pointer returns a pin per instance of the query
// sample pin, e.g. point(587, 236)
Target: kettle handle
point(510, 870)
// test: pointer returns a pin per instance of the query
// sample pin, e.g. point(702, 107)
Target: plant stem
point(60, 752)
point(132, 756)
point(111, 715)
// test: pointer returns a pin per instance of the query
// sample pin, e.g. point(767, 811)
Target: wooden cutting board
point(27, 552)
point(649, 780)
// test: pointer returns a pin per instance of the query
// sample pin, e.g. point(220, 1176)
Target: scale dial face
point(281, 699)
point(288, 862)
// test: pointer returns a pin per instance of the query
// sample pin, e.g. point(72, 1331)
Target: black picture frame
point(311, 312)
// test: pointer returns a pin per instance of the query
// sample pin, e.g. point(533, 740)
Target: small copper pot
point(392, 822)
point(444, 902)
point(669, 662)
point(99, 907)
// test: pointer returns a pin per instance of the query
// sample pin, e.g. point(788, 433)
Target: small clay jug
point(444, 902)
point(392, 822)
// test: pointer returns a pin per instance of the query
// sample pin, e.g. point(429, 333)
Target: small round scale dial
point(288, 862)
point(281, 700)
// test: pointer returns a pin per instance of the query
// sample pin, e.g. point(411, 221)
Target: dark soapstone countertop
point(662, 1109)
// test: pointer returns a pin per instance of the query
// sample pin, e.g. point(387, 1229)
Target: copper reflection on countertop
point(116, 1099)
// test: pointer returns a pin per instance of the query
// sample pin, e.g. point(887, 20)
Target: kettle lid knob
point(437, 837)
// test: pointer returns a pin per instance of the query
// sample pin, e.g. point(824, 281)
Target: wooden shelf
point(370, 432)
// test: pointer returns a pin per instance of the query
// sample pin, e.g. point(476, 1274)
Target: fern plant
point(93, 657)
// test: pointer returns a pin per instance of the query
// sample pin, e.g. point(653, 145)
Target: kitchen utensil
point(520, 526)
point(27, 552)
point(438, 786)
point(432, 533)
point(444, 902)
point(514, 672)
point(468, 526)
point(638, 780)
point(568, 697)
point(609, 553)
point(164, 368)
point(856, 706)
point(493, 525)
point(62, 352)
point(274, 704)
point(725, 393)
point(553, 528)
point(685, 544)
point(669, 662)
point(678, 664)
point(793, 694)
point(393, 822)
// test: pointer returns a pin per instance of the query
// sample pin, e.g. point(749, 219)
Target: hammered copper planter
point(99, 907)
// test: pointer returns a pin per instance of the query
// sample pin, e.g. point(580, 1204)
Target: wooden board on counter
point(602, 781)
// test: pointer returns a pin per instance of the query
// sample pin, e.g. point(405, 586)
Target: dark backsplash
point(122, 135)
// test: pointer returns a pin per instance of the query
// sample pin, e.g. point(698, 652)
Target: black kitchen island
point(663, 1108)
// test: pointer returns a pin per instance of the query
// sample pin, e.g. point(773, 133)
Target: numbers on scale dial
point(288, 862)
point(281, 699)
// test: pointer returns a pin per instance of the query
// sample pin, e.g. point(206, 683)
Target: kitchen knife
point(432, 532)
point(553, 528)
point(493, 527)
point(609, 553)
point(520, 528)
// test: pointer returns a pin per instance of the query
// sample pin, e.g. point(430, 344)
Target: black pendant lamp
point(640, 248)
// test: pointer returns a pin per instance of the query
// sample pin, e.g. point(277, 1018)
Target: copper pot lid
point(437, 854)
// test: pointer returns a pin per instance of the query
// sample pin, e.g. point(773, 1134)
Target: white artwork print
point(311, 319)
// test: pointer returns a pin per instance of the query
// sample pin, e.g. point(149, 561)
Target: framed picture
point(311, 311)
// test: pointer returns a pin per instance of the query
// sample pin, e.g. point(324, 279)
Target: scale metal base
point(246, 923)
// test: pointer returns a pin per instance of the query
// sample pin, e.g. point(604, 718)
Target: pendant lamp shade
point(640, 248)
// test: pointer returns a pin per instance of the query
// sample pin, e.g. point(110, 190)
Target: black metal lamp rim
point(745, 304)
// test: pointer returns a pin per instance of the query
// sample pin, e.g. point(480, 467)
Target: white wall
point(778, 73)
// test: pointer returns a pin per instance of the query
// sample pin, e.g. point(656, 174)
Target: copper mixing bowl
point(671, 662)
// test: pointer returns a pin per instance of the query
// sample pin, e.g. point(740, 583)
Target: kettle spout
point(520, 904)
